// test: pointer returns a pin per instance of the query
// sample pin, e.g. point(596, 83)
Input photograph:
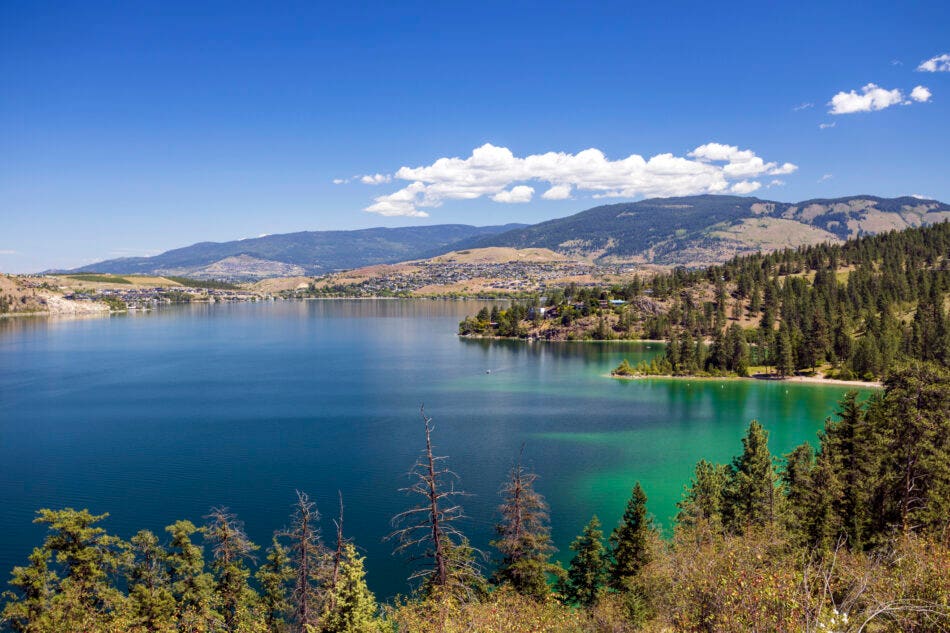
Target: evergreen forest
point(850, 311)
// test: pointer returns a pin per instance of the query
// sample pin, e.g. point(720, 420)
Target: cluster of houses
point(144, 298)
point(505, 277)
point(552, 312)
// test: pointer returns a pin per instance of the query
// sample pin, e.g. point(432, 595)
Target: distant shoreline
point(810, 380)
point(576, 340)
point(262, 298)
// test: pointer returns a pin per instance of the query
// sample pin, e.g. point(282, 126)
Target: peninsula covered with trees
point(850, 536)
point(850, 311)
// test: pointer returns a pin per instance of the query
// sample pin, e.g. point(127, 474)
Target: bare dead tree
point(428, 532)
point(818, 572)
point(338, 552)
point(859, 602)
point(309, 558)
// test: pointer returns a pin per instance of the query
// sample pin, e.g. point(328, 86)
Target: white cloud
point(7, 252)
point(826, 177)
point(872, 97)
point(920, 197)
point(521, 193)
point(741, 163)
point(376, 179)
point(920, 94)
point(557, 192)
point(340, 181)
point(776, 183)
point(746, 186)
point(803, 106)
point(896, 62)
point(938, 64)
point(402, 202)
point(491, 171)
point(825, 126)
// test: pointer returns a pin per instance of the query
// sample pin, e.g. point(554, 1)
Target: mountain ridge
point(707, 229)
point(687, 231)
point(298, 253)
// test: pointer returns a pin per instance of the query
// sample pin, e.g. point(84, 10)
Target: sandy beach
point(814, 380)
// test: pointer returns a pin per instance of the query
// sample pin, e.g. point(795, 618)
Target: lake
point(157, 417)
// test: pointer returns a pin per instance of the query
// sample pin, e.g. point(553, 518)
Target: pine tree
point(817, 343)
point(631, 541)
point(524, 536)
point(703, 498)
point(846, 445)
point(27, 608)
point(813, 492)
point(231, 549)
point(153, 605)
point(274, 576)
point(824, 523)
point(88, 558)
point(784, 360)
point(350, 605)
point(750, 496)
point(913, 425)
point(687, 353)
point(673, 352)
point(588, 568)
point(797, 479)
point(191, 585)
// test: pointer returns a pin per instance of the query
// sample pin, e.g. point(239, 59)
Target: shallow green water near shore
point(157, 417)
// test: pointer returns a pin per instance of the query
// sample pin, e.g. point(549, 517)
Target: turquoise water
point(159, 416)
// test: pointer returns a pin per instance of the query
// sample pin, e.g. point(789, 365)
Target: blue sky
point(128, 128)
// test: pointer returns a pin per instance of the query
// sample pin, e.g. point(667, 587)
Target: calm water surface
point(158, 417)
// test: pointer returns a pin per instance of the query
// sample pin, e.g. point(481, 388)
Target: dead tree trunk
point(428, 531)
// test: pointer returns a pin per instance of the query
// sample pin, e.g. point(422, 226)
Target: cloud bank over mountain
point(497, 173)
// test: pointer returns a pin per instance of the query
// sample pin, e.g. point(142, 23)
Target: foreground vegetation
point(853, 310)
point(853, 536)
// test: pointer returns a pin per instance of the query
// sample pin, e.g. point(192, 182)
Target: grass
point(103, 279)
point(198, 283)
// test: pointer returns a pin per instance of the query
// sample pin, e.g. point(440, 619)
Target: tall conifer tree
point(588, 569)
point(523, 535)
point(631, 541)
point(750, 496)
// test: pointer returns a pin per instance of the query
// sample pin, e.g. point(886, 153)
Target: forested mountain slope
point(303, 253)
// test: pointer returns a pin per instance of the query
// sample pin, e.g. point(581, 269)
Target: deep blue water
point(160, 416)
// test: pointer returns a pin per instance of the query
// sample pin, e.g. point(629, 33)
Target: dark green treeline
point(861, 307)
